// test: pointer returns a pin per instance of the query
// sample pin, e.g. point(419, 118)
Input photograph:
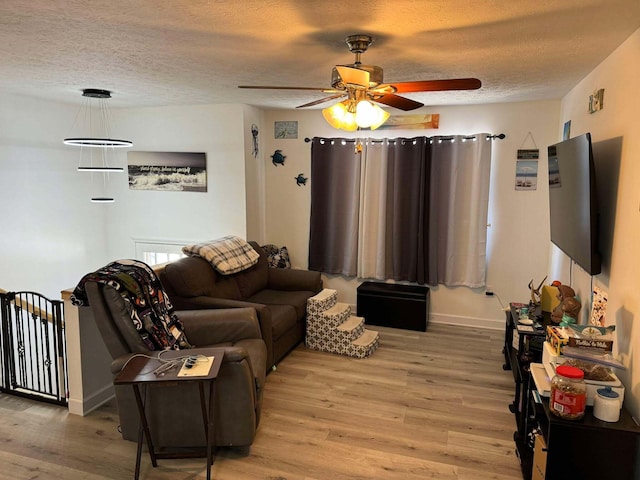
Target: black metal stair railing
point(32, 348)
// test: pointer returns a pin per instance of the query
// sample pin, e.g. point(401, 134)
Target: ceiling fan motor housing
point(358, 43)
point(375, 75)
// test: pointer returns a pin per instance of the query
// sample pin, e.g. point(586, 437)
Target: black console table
point(587, 449)
point(523, 345)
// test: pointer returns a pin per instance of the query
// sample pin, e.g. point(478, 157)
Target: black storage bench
point(394, 305)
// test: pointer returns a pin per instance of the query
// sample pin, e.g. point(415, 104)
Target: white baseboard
point(88, 404)
point(443, 318)
point(488, 323)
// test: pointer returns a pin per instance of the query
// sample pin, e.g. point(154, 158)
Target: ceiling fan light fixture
point(339, 116)
point(350, 115)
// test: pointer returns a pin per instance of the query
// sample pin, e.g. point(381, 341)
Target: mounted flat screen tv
point(572, 201)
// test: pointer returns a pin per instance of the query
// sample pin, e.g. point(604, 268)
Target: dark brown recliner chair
point(173, 411)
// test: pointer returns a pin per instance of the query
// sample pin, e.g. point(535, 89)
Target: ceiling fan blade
point(398, 102)
point(438, 85)
point(322, 100)
point(353, 76)
point(269, 87)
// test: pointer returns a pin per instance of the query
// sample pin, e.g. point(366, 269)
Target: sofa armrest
point(214, 326)
point(263, 312)
point(291, 279)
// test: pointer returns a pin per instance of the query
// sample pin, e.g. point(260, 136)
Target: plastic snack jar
point(568, 393)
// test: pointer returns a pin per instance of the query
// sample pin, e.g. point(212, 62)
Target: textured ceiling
point(181, 52)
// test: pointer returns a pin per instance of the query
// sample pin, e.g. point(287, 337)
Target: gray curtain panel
point(459, 203)
point(335, 197)
point(407, 209)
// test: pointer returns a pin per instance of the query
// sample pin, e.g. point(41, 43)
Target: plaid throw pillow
point(227, 255)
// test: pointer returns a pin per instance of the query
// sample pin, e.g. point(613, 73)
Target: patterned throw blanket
point(227, 255)
point(149, 307)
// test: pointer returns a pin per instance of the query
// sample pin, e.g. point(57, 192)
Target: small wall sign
point(285, 130)
point(596, 101)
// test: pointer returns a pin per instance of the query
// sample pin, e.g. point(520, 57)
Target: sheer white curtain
point(459, 199)
point(373, 210)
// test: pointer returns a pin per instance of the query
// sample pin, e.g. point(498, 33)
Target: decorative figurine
point(301, 179)
point(535, 292)
point(569, 307)
point(277, 158)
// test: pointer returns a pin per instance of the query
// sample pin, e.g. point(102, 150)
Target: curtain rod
point(500, 136)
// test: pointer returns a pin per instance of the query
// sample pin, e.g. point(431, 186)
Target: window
point(154, 253)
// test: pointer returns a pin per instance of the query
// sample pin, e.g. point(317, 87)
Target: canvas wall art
point(167, 171)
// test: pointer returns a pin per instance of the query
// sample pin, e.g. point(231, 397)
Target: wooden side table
point(140, 371)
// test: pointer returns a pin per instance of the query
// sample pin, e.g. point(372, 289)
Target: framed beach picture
point(526, 174)
point(167, 171)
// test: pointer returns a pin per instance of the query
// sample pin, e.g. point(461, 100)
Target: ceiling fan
point(363, 84)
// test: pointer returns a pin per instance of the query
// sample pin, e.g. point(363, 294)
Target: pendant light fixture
point(97, 148)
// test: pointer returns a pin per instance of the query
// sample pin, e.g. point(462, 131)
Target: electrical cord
point(166, 364)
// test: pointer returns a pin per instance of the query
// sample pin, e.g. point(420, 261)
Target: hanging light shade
point(352, 114)
point(370, 115)
point(97, 148)
point(339, 116)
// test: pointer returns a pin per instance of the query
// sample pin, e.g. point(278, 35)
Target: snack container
point(568, 397)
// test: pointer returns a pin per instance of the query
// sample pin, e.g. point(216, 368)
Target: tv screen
point(572, 201)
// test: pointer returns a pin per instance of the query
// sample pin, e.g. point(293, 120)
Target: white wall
point(519, 233)
point(181, 217)
point(52, 234)
point(618, 75)
point(50, 230)
point(254, 174)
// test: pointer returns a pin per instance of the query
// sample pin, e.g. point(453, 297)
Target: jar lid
point(607, 392)
point(570, 372)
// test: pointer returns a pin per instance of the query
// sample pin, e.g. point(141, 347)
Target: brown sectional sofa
point(278, 295)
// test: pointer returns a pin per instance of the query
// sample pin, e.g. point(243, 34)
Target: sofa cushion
point(297, 299)
point(194, 277)
point(254, 279)
point(283, 319)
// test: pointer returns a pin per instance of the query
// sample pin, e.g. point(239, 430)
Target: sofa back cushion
point(254, 279)
point(195, 277)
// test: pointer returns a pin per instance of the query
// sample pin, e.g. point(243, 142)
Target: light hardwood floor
point(424, 405)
